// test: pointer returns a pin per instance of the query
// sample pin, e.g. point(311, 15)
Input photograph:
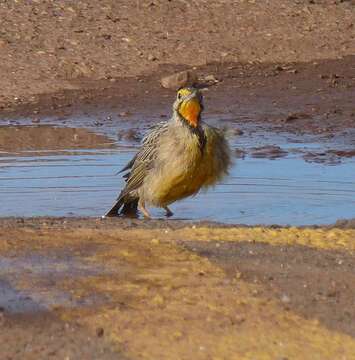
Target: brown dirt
point(19, 138)
point(47, 48)
point(108, 291)
point(44, 336)
point(317, 99)
point(313, 283)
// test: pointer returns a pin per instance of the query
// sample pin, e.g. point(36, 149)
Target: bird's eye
point(179, 96)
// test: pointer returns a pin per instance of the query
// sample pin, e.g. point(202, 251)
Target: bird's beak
point(190, 110)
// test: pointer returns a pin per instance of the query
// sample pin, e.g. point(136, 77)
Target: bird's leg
point(141, 207)
point(168, 212)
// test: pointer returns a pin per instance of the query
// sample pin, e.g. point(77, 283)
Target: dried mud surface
point(109, 291)
point(313, 98)
point(289, 64)
point(46, 45)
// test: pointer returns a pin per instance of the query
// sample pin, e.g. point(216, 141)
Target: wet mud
point(181, 291)
point(43, 137)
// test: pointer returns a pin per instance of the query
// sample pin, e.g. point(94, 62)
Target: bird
point(177, 159)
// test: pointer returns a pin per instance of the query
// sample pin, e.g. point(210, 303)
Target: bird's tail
point(123, 206)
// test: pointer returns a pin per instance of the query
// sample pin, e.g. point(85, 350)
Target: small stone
point(239, 319)
point(152, 57)
point(177, 334)
point(240, 154)
point(238, 132)
point(285, 299)
point(295, 116)
point(268, 152)
point(130, 135)
point(74, 70)
point(178, 80)
point(100, 332)
point(158, 300)
point(210, 78)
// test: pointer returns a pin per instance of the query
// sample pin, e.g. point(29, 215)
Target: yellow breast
point(182, 169)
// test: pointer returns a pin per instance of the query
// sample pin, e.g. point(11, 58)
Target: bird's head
point(188, 105)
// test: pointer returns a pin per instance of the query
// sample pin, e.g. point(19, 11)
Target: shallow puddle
point(268, 186)
point(44, 137)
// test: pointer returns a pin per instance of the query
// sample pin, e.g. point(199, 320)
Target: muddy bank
point(310, 98)
point(45, 47)
point(174, 292)
point(22, 138)
point(112, 224)
point(101, 223)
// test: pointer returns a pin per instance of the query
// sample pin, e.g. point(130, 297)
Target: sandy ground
point(287, 63)
point(302, 98)
point(48, 46)
point(106, 289)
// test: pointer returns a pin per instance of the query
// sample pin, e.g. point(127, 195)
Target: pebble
point(152, 57)
point(178, 80)
point(211, 78)
point(100, 332)
point(285, 299)
point(268, 152)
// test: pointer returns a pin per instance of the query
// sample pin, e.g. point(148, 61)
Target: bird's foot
point(141, 207)
point(168, 213)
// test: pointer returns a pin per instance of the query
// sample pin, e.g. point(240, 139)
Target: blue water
point(258, 191)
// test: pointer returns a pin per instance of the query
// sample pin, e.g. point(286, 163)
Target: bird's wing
point(144, 159)
point(218, 154)
point(149, 137)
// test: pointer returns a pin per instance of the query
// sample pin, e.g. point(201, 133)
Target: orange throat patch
point(190, 110)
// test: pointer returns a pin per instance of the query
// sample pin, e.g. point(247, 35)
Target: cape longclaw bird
point(176, 159)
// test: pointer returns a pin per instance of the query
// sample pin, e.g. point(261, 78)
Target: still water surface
point(82, 182)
